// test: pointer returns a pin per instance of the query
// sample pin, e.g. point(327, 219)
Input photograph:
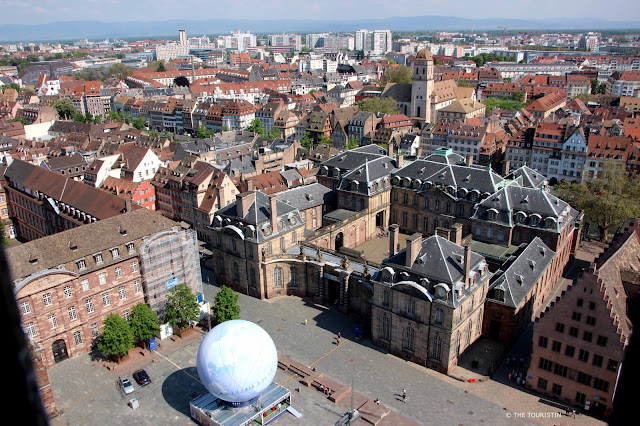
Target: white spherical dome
point(237, 360)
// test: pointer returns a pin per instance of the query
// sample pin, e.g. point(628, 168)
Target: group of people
point(325, 389)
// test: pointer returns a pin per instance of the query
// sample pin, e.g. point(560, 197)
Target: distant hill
point(74, 30)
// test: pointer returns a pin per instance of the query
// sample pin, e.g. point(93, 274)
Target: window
point(102, 278)
point(294, 277)
point(542, 383)
point(583, 355)
point(587, 336)
point(137, 288)
point(543, 341)
point(597, 360)
point(613, 365)
point(72, 313)
point(411, 307)
point(556, 346)
point(569, 351)
point(134, 266)
point(119, 272)
point(85, 285)
point(385, 297)
point(25, 308)
point(410, 333)
point(77, 337)
point(601, 384)
point(591, 320)
point(121, 292)
point(31, 329)
point(579, 303)
point(584, 378)
point(105, 299)
point(89, 305)
point(560, 370)
point(97, 258)
point(602, 341)
point(559, 327)
point(94, 330)
point(46, 298)
point(580, 398)
point(67, 292)
point(384, 329)
point(592, 306)
point(131, 248)
point(125, 315)
point(115, 253)
point(576, 316)
point(277, 277)
point(545, 364)
point(53, 322)
point(573, 332)
point(556, 389)
point(81, 264)
point(436, 350)
point(439, 315)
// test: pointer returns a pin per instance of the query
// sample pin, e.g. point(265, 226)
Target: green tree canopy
point(509, 104)
point(225, 305)
point(182, 307)
point(257, 127)
point(160, 67)
point(324, 140)
point(144, 322)
point(203, 132)
point(401, 74)
point(379, 105)
point(352, 143)
point(138, 123)
point(119, 71)
point(116, 338)
point(607, 200)
point(65, 108)
point(181, 81)
point(306, 141)
point(3, 238)
point(88, 74)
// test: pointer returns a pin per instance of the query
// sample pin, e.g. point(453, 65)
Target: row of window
point(72, 312)
point(98, 258)
point(580, 377)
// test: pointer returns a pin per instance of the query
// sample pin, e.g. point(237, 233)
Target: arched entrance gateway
point(59, 349)
point(339, 241)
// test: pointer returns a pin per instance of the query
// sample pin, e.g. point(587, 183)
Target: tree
point(3, 238)
point(607, 200)
point(306, 141)
point(88, 74)
point(352, 143)
point(324, 140)
point(400, 74)
point(65, 108)
point(379, 105)
point(182, 307)
point(256, 127)
point(138, 123)
point(225, 305)
point(97, 119)
point(22, 120)
point(507, 104)
point(598, 88)
point(203, 132)
point(116, 338)
point(160, 67)
point(518, 96)
point(181, 81)
point(119, 71)
point(143, 322)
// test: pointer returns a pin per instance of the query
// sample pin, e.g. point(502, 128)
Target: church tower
point(422, 85)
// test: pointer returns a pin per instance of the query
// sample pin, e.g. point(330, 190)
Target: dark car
point(142, 377)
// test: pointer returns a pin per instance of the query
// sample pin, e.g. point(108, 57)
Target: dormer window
point(131, 248)
point(115, 253)
point(81, 264)
point(97, 258)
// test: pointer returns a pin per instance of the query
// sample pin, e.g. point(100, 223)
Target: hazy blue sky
point(43, 11)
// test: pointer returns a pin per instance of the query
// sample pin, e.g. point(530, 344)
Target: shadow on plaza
point(179, 388)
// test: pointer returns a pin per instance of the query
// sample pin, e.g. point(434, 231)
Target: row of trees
point(120, 335)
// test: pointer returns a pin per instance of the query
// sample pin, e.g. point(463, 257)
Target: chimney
point(274, 213)
point(469, 160)
point(443, 232)
point(467, 264)
point(399, 161)
point(414, 243)
point(250, 184)
point(127, 204)
point(456, 234)
point(243, 203)
point(506, 167)
point(390, 149)
point(393, 239)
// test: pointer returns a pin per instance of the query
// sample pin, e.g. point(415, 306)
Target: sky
point(46, 11)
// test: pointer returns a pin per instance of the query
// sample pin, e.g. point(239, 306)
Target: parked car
point(125, 385)
point(142, 377)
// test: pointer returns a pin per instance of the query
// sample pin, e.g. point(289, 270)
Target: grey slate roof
point(528, 177)
point(401, 92)
point(514, 200)
point(307, 196)
point(254, 225)
point(517, 276)
point(363, 178)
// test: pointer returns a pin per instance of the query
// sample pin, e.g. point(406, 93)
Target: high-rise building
point(183, 36)
point(376, 42)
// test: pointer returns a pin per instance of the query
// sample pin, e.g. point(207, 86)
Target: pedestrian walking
point(404, 395)
point(339, 335)
point(305, 321)
point(574, 413)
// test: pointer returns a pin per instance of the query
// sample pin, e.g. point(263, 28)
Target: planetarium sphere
point(237, 360)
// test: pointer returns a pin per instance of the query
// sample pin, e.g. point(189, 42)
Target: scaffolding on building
point(167, 259)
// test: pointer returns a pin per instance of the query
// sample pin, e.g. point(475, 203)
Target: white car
point(125, 385)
